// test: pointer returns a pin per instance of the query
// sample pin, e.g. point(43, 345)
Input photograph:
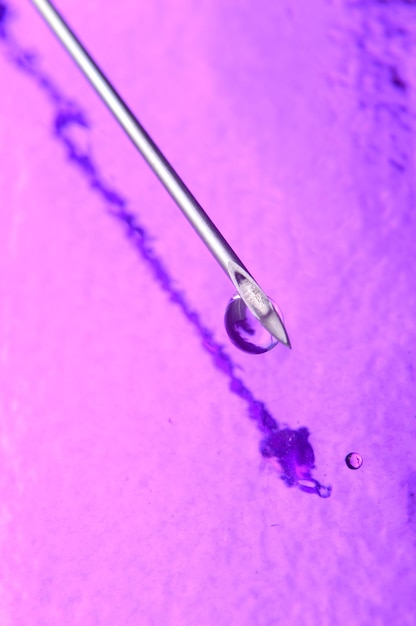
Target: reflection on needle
point(250, 293)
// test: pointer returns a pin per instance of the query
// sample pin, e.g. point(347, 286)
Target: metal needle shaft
point(188, 204)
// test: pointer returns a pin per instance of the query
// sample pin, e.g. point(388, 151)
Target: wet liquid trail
point(290, 450)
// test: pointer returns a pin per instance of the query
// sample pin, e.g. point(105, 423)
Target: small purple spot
point(354, 460)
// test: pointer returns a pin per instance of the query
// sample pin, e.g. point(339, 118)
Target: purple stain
point(3, 13)
point(294, 456)
point(290, 449)
point(4, 16)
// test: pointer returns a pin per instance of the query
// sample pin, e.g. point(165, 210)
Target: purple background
point(132, 487)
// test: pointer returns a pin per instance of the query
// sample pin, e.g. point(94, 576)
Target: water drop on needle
point(245, 330)
point(354, 460)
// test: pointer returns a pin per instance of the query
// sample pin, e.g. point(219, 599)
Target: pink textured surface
point(132, 488)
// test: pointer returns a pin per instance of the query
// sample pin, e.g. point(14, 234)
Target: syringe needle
point(250, 292)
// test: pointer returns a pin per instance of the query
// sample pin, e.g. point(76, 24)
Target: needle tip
point(258, 303)
point(287, 343)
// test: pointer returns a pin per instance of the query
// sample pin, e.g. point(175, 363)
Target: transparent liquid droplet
point(244, 329)
point(354, 460)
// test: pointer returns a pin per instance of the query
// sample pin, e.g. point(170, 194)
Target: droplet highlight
point(245, 330)
point(354, 460)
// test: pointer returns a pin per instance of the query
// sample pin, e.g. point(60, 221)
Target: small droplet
point(354, 460)
point(244, 329)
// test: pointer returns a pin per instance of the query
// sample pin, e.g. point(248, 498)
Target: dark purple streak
point(290, 449)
